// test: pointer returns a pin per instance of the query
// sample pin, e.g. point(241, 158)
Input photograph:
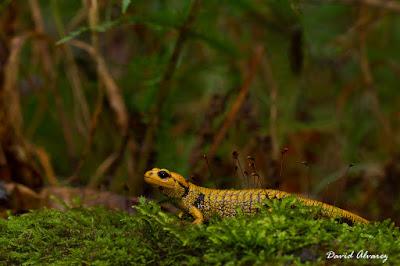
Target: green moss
point(151, 236)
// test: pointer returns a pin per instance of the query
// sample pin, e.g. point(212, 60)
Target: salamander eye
point(163, 174)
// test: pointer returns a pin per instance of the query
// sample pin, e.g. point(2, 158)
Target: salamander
point(202, 203)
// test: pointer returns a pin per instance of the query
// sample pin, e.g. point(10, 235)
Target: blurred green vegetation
point(334, 65)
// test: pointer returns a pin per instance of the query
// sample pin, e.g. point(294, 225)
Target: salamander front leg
point(197, 215)
point(180, 214)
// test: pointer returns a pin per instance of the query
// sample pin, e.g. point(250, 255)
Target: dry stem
point(163, 91)
point(232, 114)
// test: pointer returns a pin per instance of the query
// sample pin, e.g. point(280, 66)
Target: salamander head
point(170, 183)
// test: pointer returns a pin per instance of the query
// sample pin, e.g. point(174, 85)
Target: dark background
point(93, 93)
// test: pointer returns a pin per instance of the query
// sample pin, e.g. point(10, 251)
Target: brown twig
point(342, 186)
point(16, 159)
point(92, 131)
point(113, 92)
point(369, 80)
point(231, 116)
point(345, 93)
point(110, 164)
point(37, 118)
point(163, 91)
point(273, 109)
point(44, 160)
point(93, 18)
point(81, 109)
point(215, 108)
point(11, 70)
point(307, 184)
point(102, 170)
point(389, 5)
point(283, 153)
point(79, 17)
point(50, 76)
point(93, 51)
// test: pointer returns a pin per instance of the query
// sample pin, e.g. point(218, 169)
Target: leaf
point(125, 5)
point(72, 35)
point(163, 22)
point(99, 28)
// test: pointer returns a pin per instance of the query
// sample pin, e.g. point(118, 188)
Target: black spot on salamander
point(199, 202)
point(186, 190)
point(345, 220)
point(277, 198)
